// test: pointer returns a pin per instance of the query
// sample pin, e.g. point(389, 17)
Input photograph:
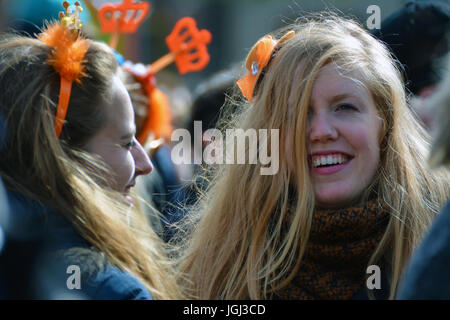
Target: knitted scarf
point(340, 245)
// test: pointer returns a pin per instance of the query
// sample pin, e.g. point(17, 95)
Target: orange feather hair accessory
point(67, 57)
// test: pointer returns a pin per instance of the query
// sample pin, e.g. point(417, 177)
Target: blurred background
point(234, 24)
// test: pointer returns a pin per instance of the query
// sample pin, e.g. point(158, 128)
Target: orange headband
point(67, 56)
point(257, 59)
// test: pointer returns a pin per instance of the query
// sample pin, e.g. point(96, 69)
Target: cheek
point(365, 142)
point(364, 139)
point(122, 165)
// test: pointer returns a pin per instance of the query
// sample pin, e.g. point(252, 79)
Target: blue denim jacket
point(53, 277)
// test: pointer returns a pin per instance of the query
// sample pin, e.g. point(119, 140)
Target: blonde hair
point(58, 173)
point(237, 249)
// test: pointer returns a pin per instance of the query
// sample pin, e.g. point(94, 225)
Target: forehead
point(118, 110)
point(332, 82)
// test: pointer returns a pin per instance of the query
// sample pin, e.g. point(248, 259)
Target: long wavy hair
point(236, 249)
point(58, 173)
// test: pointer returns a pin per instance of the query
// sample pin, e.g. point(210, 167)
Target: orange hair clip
point(257, 59)
point(69, 49)
point(115, 18)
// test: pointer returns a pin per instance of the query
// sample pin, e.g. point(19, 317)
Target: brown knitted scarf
point(339, 248)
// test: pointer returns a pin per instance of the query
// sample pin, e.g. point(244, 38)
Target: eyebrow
point(129, 135)
point(340, 97)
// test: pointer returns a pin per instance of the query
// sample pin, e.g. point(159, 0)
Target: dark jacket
point(428, 275)
point(63, 264)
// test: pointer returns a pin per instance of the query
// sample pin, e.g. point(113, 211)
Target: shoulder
point(115, 284)
point(93, 277)
point(427, 275)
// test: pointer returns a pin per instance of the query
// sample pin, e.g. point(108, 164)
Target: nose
point(142, 161)
point(321, 129)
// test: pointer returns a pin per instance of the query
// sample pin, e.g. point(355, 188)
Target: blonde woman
point(72, 173)
point(353, 188)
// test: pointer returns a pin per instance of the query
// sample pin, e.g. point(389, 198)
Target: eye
point(309, 114)
point(346, 107)
point(131, 144)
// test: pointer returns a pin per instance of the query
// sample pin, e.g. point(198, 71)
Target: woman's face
point(342, 138)
point(116, 143)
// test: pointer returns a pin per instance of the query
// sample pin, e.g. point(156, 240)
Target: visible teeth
point(329, 160)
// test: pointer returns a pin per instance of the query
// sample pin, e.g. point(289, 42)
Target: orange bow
point(257, 60)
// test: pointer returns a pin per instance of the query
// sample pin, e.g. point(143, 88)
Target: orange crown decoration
point(188, 48)
point(109, 22)
point(189, 51)
point(257, 59)
point(116, 18)
point(67, 56)
point(189, 45)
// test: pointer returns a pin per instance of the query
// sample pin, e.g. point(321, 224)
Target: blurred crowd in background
point(234, 24)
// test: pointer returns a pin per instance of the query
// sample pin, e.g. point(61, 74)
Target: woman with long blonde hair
point(70, 159)
point(353, 188)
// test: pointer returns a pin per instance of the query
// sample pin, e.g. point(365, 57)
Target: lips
point(327, 162)
point(128, 187)
point(126, 193)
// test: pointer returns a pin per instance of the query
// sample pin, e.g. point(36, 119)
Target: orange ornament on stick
point(120, 18)
point(188, 48)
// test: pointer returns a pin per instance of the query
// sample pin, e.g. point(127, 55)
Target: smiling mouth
point(321, 161)
point(128, 188)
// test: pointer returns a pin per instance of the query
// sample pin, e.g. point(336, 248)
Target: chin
point(337, 201)
point(128, 198)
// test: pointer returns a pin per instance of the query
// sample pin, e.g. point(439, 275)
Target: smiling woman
point(69, 158)
point(353, 188)
point(343, 138)
point(116, 143)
